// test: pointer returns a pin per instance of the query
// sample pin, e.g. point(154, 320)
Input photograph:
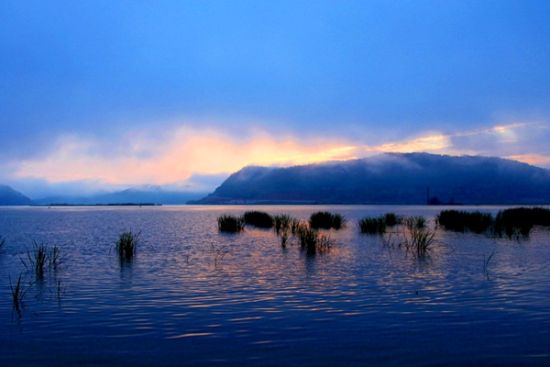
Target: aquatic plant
point(37, 259)
point(54, 257)
point(517, 222)
point(486, 261)
point(17, 294)
point(229, 223)
point(218, 253)
point(284, 235)
point(283, 227)
point(326, 220)
point(414, 222)
point(311, 240)
point(295, 226)
point(417, 237)
point(126, 245)
point(391, 219)
point(280, 222)
point(460, 221)
point(258, 219)
point(370, 225)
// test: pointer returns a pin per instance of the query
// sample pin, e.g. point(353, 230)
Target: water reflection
point(192, 294)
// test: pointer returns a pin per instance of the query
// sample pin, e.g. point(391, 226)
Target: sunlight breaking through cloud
point(145, 157)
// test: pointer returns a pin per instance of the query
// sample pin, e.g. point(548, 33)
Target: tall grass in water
point(461, 221)
point(281, 222)
point(229, 223)
point(517, 222)
point(258, 219)
point(417, 237)
point(486, 261)
point(283, 227)
point(513, 222)
point(391, 219)
point(54, 258)
point(17, 293)
point(37, 259)
point(311, 240)
point(371, 225)
point(326, 220)
point(295, 225)
point(126, 245)
point(414, 222)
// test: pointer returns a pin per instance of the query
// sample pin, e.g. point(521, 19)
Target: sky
point(98, 95)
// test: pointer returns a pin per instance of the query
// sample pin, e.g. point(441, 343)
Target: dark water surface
point(182, 303)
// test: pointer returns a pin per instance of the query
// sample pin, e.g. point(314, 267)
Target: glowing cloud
point(174, 156)
point(534, 159)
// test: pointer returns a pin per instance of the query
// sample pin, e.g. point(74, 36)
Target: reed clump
point(230, 224)
point(371, 225)
point(513, 222)
point(258, 219)
point(391, 219)
point(311, 240)
point(281, 222)
point(127, 244)
point(326, 220)
point(17, 294)
point(516, 222)
point(461, 221)
point(417, 237)
point(283, 227)
point(37, 259)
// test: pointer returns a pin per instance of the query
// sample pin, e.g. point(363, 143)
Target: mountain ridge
point(10, 196)
point(390, 178)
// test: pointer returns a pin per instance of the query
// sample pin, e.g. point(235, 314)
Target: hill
point(392, 178)
point(9, 196)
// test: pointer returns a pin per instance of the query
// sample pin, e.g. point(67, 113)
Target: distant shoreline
point(97, 204)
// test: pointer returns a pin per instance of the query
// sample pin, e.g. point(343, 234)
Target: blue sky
point(86, 83)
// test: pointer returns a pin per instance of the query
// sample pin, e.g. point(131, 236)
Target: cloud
point(173, 156)
point(181, 154)
point(534, 159)
point(426, 143)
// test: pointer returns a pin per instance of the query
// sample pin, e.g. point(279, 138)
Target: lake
point(194, 296)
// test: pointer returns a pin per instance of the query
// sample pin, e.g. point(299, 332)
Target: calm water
point(182, 302)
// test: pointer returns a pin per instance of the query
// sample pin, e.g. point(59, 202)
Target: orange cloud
point(145, 157)
point(428, 143)
point(175, 159)
point(534, 159)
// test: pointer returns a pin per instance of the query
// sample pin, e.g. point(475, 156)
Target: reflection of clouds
point(183, 152)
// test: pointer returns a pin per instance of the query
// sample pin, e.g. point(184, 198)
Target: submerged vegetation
point(282, 222)
point(37, 259)
point(417, 237)
point(126, 245)
point(311, 240)
point(378, 225)
point(17, 293)
point(283, 226)
point(513, 222)
point(230, 223)
point(391, 219)
point(371, 225)
point(461, 221)
point(519, 221)
point(326, 220)
point(258, 219)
